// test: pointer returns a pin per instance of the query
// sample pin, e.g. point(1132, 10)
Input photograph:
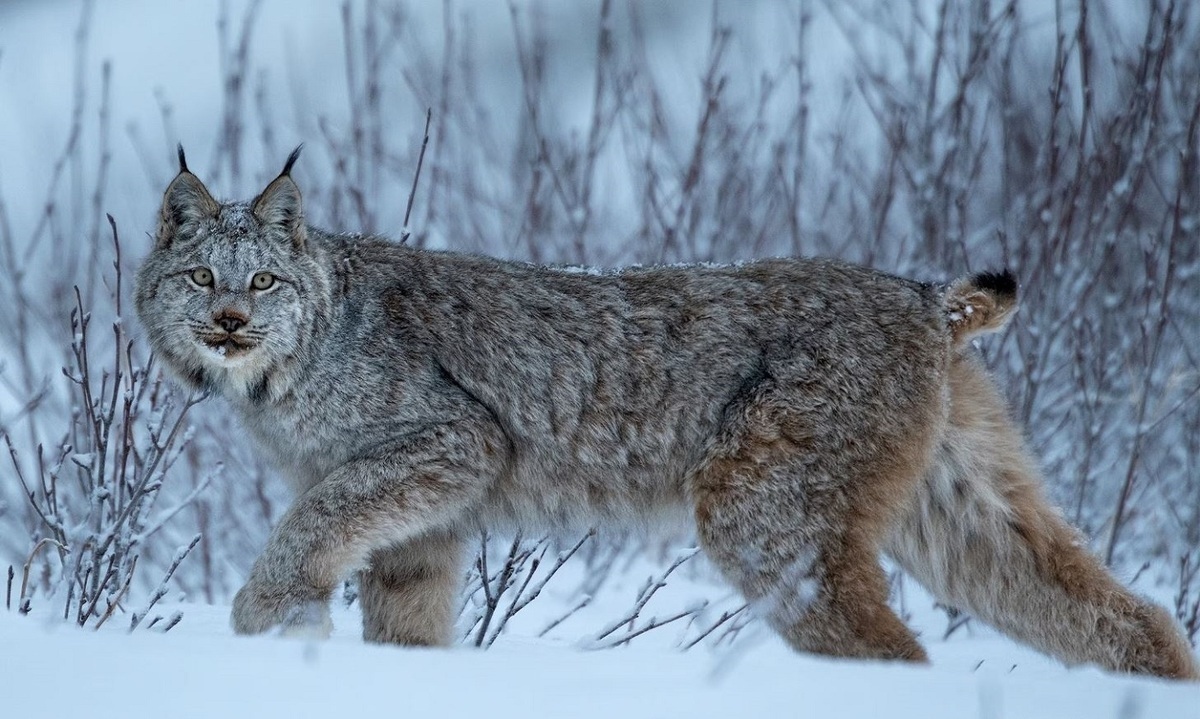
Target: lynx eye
point(262, 281)
point(202, 276)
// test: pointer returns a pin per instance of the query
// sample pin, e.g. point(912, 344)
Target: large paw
point(260, 607)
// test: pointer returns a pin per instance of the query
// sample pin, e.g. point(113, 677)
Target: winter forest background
point(1060, 138)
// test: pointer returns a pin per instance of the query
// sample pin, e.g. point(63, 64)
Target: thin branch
point(416, 177)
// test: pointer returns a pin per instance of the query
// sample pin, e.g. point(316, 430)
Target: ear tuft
point(291, 160)
point(182, 159)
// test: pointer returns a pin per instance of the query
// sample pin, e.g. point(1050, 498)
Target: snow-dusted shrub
point(92, 479)
point(501, 585)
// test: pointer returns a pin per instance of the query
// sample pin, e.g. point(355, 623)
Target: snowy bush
point(93, 483)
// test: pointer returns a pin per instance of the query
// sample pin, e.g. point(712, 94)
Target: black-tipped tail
point(982, 302)
point(1002, 284)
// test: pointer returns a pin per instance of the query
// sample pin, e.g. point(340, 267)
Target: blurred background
point(926, 138)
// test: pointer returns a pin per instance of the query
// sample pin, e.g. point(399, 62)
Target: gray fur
point(788, 411)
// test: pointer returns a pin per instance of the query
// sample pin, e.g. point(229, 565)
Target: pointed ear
point(280, 205)
point(186, 201)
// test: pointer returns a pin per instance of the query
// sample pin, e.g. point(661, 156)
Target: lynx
point(801, 416)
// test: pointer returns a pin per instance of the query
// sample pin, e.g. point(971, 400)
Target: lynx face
point(221, 293)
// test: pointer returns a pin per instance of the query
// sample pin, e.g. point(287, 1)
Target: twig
point(172, 621)
point(652, 586)
point(955, 620)
point(587, 599)
point(503, 580)
point(23, 600)
point(116, 602)
point(161, 590)
point(526, 594)
point(653, 623)
point(1187, 606)
point(416, 177)
point(725, 617)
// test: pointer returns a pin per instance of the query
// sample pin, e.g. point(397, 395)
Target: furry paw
point(260, 607)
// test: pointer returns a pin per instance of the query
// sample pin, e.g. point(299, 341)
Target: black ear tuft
point(291, 160)
point(182, 159)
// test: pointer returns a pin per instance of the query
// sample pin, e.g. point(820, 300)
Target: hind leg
point(408, 591)
point(981, 536)
point(801, 542)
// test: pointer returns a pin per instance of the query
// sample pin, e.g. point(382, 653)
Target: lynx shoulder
point(798, 416)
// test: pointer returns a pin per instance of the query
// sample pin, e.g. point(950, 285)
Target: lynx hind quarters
point(982, 302)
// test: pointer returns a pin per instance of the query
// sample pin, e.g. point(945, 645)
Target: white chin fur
point(223, 358)
point(234, 373)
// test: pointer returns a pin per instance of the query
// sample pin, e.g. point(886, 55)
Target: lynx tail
point(982, 302)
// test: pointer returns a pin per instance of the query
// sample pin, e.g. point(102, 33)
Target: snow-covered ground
point(199, 669)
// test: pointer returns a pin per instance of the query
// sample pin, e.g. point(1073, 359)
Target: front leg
point(423, 482)
point(409, 593)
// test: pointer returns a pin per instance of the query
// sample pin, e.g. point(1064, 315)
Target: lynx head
point(230, 289)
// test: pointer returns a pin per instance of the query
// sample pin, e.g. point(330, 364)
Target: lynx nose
point(230, 321)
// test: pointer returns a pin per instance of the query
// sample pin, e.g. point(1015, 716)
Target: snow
point(199, 669)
